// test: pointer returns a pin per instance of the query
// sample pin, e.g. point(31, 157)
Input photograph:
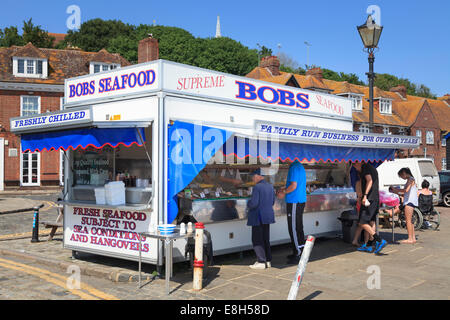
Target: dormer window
point(356, 102)
point(385, 106)
point(30, 67)
point(96, 67)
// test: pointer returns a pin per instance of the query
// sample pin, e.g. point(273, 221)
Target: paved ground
point(335, 271)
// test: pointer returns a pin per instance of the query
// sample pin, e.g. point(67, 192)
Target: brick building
point(395, 112)
point(32, 81)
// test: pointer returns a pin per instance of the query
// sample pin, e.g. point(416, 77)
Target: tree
point(264, 52)
point(226, 55)
point(97, 34)
point(36, 35)
point(341, 76)
point(10, 37)
point(386, 81)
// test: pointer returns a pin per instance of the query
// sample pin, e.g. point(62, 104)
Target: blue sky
point(414, 44)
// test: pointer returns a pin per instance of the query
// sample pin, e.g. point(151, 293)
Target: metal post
point(371, 76)
point(35, 233)
point(301, 268)
point(198, 257)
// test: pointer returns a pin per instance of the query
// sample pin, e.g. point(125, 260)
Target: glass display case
point(92, 168)
point(221, 192)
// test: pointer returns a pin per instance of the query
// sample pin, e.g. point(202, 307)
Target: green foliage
point(289, 69)
point(264, 52)
point(226, 55)
point(36, 35)
point(30, 33)
point(386, 81)
point(96, 34)
point(10, 37)
point(341, 76)
point(175, 44)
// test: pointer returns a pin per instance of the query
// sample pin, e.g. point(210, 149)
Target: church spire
point(218, 35)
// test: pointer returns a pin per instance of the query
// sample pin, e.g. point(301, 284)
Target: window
point(385, 106)
point(427, 169)
point(444, 163)
point(444, 176)
point(26, 67)
point(30, 105)
point(356, 101)
point(430, 137)
point(364, 128)
point(386, 130)
point(100, 67)
point(419, 134)
point(402, 131)
point(443, 141)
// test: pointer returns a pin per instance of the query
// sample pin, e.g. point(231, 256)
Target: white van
point(421, 169)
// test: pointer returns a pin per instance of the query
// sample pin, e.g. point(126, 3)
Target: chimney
point(148, 49)
point(316, 72)
point(400, 89)
point(272, 63)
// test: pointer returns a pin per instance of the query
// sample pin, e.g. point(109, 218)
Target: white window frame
point(364, 128)
point(25, 73)
point(443, 142)
point(444, 164)
point(386, 130)
point(402, 131)
point(419, 134)
point(30, 184)
point(21, 104)
point(385, 106)
point(356, 101)
point(109, 66)
point(431, 140)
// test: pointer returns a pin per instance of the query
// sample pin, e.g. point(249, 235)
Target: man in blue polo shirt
point(295, 196)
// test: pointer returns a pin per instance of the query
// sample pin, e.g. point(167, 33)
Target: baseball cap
point(257, 171)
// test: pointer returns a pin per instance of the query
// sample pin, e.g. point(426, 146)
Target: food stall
point(161, 142)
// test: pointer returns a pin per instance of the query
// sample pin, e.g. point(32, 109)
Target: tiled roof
point(311, 82)
point(342, 87)
point(59, 37)
point(408, 110)
point(62, 64)
point(259, 73)
point(441, 112)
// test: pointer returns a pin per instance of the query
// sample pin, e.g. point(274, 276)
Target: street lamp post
point(370, 34)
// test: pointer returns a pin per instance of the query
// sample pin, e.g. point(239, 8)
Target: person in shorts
point(370, 204)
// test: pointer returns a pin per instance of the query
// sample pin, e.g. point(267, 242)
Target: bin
point(349, 220)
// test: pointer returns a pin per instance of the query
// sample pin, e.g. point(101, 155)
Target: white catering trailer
point(182, 141)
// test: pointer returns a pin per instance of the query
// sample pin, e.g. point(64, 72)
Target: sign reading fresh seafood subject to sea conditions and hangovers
point(108, 229)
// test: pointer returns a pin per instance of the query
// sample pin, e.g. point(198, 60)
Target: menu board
point(92, 167)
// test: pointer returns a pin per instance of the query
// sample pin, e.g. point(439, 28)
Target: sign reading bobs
point(110, 230)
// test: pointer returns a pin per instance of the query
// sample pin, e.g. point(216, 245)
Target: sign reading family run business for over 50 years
point(323, 136)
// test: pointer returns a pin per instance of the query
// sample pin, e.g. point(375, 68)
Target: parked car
point(444, 177)
point(421, 168)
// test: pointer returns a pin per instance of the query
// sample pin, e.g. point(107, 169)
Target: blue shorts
point(410, 204)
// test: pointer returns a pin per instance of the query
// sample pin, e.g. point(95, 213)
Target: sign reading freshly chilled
point(50, 120)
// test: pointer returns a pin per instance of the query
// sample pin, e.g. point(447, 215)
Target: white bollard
point(198, 257)
point(301, 268)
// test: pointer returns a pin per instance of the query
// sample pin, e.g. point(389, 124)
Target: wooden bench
point(54, 225)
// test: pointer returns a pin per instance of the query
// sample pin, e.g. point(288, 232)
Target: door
point(30, 169)
point(2, 162)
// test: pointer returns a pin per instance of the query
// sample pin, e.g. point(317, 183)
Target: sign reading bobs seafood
point(109, 230)
point(128, 80)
